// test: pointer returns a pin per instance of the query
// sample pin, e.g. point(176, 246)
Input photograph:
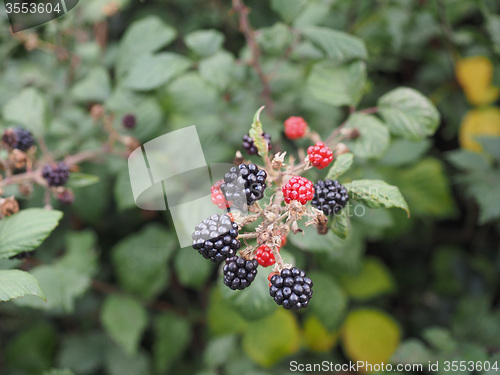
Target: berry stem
point(248, 235)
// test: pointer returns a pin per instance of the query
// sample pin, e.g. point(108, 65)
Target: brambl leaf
point(27, 109)
point(124, 319)
point(172, 338)
point(78, 180)
point(376, 193)
point(340, 224)
point(340, 166)
point(336, 84)
point(316, 337)
point(217, 69)
point(288, 9)
point(204, 42)
point(336, 45)
point(408, 113)
point(373, 137)
point(152, 71)
point(256, 134)
point(16, 283)
point(26, 230)
point(95, 86)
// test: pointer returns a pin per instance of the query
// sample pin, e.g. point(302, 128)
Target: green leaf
point(124, 319)
point(192, 269)
point(374, 279)
point(27, 109)
point(440, 339)
point(270, 339)
point(274, 39)
point(340, 224)
point(84, 353)
point(144, 36)
point(140, 261)
point(402, 152)
point(80, 252)
point(26, 230)
point(336, 45)
point(220, 350)
point(123, 191)
point(222, 318)
point(217, 69)
point(118, 362)
point(412, 351)
point(251, 303)
point(204, 42)
point(408, 113)
point(55, 371)
point(95, 86)
point(468, 160)
point(491, 145)
point(329, 302)
point(337, 84)
point(149, 71)
point(485, 189)
point(78, 180)
point(172, 339)
point(340, 166)
point(15, 283)
point(376, 193)
point(61, 285)
point(288, 9)
point(256, 133)
point(373, 139)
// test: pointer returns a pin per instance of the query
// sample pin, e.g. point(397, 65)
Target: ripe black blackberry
point(215, 238)
point(24, 139)
point(250, 147)
point(129, 121)
point(239, 273)
point(291, 288)
point(329, 196)
point(56, 175)
point(244, 184)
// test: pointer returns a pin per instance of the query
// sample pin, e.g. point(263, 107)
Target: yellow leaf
point(371, 336)
point(316, 336)
point(479, 122)
point(475, 75)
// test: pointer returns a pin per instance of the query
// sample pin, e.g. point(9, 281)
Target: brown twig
point(245, 27)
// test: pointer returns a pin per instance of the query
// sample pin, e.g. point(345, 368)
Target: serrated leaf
point(27, 109)
point(144, 36)
point(149, 71)
point(329, 301)
point(374, 279)
point(83, 352)
point(373, 137)
point(408, 113)
point(172, 338)
point(26, 230)
point(256, 133)
point(222, 318)
point(124, 319)
point(376, 193)
point(16, 283)
point(403, 151)
point(341, 165)
point(468, 160)
point(370, 335)
point(95, 86)
point(78, 180)
point(270, 339)
point(204, 42)
point(217, 69)
point(340, 223)
point(337, 84)
point(336, 45)
point(288, 9)
point(192, 269)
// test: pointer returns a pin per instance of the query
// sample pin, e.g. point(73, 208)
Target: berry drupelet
point(295, 127)
point(320, 155)
point(239, 273)
point(244, 185)
point(24, 138)
point(291, 288)
point(56, 175)
point(250, 147)
point(129, 121)
point(329, 196)
point(298, 188)
point(215, 238)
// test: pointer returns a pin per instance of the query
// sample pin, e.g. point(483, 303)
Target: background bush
point(122, 299)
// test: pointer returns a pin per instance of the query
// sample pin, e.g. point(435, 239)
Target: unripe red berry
point(217, 197)
point(298, 188)
point(264, 256)
point(320, 155)
point(295, 127)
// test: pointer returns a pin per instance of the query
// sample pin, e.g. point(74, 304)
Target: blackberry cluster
point(291, 289)
point(329, 196)
point(24, 139)
point(215, 238)
point(250, 147)
point(239, 273)
point(56, 175)
point(244, 184)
